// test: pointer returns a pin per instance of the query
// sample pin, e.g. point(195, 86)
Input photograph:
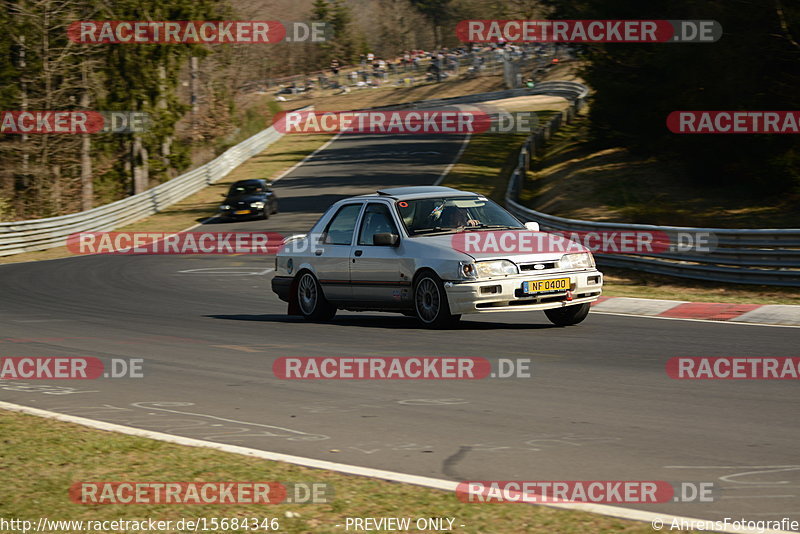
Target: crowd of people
point(412, 66)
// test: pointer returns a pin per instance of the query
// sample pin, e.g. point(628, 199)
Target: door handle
point(319, 251)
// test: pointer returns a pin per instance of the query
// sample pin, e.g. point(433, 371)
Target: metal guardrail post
point(752, 256)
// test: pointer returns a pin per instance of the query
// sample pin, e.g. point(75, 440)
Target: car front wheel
point(310, 301)
point(568, 315)
point(430, 303)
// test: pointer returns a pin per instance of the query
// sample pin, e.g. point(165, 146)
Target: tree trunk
point(193, 73)
point(141, 168)
point(87, 182)
point(166, 142)
point(55, 191)
point(24, 105)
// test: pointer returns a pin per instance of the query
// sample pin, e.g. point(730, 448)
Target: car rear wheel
point(310, 301)
point(568, 315)
point(430, 303)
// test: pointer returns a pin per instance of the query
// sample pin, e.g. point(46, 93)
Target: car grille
point(532, 266)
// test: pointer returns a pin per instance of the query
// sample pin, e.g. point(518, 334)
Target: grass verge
point(578, 179)
point(485, 167)
point(200, 206)
point(36, 481)
point(280, 156)
point(627, 283)
point(486, 164)
point(361, 98)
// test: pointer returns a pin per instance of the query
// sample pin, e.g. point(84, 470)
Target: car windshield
point(453, 214)
point(245, 188)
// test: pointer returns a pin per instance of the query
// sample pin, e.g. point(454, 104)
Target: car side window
point(340, 229)
point(377, 220)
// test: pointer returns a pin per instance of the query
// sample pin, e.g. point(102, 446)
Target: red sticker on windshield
point(403, 204)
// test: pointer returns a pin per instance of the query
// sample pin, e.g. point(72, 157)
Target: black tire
point(265, 214)
point(430, 302)
point(568, 315)
point(274, 208)
point(311, 302)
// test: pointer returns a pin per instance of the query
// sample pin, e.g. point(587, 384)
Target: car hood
point(519, 246)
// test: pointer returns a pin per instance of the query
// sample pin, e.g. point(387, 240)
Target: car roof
point(426, 191)
point(249, 181)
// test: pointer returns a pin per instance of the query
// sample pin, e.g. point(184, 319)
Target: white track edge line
point(308, 157)
point(392, 476)
point(450, 166)
point(281, 175)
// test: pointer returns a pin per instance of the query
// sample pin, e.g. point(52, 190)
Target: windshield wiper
point(437, 230)
point(484, 226)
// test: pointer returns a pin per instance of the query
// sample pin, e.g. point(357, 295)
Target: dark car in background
point(248, 199)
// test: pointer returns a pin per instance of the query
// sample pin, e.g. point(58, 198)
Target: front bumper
point(252, 212)
point(281, 286)
point(505, 294)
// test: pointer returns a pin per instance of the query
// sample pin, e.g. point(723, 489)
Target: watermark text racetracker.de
point(177, 243)
point(400, 368)
point(198, 32)
point(733, 368)
point(644, 242)
point(734, 122)
point(405, 122)
point(73, 122)
point(589, 31)
point(68, 368)
point(203, 493)
point(493, 241)
point(585, 491)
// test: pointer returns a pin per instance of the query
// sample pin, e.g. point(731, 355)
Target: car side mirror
point(386, 240)
point(532, 226)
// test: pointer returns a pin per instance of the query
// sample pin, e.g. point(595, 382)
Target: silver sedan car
point(434, 253)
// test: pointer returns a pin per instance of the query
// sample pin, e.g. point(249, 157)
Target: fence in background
point(41, 234)
point(769, 256)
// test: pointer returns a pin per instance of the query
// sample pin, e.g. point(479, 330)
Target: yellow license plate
point(241, 212)
point(541, 286)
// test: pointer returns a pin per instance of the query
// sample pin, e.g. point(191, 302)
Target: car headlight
point(485, 269)
point(584, 260)
point(258, 205)
point(225, 207)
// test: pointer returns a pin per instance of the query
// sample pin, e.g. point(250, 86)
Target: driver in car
point(455, 217)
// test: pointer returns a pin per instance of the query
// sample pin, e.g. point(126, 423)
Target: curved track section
point(598, 407)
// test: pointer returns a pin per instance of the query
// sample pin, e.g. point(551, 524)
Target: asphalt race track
point(599, 406)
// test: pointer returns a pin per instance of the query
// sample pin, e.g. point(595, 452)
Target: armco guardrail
point(41, 234)
point(770, 256)
point(570, 90)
